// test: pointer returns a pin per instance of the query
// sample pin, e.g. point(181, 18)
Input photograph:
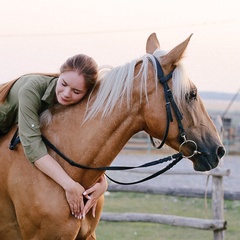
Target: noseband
point(170, 102)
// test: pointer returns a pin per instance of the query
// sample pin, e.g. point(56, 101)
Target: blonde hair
point(117, 84)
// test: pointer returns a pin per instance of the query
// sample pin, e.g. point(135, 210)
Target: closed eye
point(64, 83)
point(76, 91)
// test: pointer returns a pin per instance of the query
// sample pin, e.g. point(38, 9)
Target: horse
point(127, 99)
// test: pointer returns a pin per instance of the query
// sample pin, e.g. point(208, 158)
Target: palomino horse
point(128, 99)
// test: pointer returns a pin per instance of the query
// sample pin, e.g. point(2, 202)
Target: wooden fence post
point(218, 204)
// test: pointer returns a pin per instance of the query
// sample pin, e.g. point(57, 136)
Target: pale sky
point(38, 36)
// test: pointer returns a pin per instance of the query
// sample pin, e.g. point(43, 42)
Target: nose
point(221, 152)
point(66, 92)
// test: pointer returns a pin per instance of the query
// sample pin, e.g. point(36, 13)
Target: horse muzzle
point(206, 161)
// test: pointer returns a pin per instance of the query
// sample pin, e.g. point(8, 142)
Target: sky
point(39, 35)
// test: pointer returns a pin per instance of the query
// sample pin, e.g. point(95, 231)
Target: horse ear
point(152, 43)
point(175, 55)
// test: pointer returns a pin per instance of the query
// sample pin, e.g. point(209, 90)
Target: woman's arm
point(74, 191)
point(29, 99)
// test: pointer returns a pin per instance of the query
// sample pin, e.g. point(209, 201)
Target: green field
point(170, 205)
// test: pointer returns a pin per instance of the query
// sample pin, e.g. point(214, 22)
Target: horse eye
point(192, 95)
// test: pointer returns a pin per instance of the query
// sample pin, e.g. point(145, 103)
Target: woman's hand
point(74, 191)
point(93, 194)
point(74, 195)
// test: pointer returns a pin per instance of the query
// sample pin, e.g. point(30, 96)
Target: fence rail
point(217, 224)
point(205, 224)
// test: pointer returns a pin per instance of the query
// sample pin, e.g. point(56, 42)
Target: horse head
point(198, 139)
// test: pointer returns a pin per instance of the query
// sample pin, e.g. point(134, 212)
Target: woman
point(29, 96)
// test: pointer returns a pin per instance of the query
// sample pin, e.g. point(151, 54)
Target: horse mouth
point(207, 161)
point(202, 163)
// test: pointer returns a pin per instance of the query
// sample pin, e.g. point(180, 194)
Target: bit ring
point(195, 152)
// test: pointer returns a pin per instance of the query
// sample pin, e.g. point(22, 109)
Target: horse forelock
point(117, 84)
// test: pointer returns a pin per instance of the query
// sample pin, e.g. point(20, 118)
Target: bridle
point(170, 102)
point(175, 158)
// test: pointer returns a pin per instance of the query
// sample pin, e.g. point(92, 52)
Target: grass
point(146, 203)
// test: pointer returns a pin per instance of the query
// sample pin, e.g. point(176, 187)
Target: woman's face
point(70, 88)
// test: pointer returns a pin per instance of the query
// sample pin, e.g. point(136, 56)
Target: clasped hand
point(75, 198)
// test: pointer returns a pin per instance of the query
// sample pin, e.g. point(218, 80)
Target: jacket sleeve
point(29, 124)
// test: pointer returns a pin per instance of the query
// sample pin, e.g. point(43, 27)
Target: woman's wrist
point(70, 185)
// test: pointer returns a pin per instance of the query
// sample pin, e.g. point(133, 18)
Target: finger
point(77, 212)
point(86, 195)
point(72, 209)
point(81, 208)
point(87, 207)
point(91, 189)
point(94, 210)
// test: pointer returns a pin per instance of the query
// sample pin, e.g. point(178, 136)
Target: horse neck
point(95, 142)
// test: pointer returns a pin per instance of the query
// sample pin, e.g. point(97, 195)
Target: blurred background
point(38, 36)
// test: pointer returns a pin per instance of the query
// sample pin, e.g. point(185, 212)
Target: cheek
point(58, 88)
point(77, 98)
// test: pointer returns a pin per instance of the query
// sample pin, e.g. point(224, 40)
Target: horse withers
point(126, 100)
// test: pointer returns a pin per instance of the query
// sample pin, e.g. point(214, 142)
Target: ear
point(174, 56)
point(152, 43)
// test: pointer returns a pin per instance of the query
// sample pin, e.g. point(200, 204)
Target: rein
point(175, 158)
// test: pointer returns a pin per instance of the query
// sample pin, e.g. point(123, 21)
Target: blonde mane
point(117, 84)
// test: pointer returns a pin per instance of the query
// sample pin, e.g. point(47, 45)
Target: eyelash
point(64, 84)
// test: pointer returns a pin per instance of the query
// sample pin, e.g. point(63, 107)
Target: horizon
point(38, 36)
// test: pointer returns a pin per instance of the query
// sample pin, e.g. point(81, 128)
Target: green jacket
point(27, 99)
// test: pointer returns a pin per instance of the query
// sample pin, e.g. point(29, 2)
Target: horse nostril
point(221, 152)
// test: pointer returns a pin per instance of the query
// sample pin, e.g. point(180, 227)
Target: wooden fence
point(217, 224)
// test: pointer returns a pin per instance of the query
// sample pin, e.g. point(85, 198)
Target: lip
point(203, 163)
point(63, 99)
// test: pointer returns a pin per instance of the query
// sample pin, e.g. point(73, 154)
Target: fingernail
point(84, 193)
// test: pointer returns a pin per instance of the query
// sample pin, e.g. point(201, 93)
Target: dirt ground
point(191, 180)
